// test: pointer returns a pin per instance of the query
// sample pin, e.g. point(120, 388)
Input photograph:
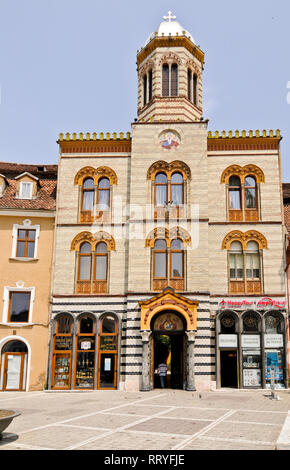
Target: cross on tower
point(169, 17)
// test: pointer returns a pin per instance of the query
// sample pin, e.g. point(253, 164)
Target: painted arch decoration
point(169, 168)
point(244, 238)
point(96, 174)
point(93, 239)
point(168, 235)
point(169, 300)
point(242, 172)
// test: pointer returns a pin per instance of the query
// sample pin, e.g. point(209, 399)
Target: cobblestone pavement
point(156, 420)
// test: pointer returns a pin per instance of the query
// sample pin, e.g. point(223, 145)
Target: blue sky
point(70, 66)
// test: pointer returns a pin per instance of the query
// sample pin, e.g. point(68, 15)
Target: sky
point(70, 66)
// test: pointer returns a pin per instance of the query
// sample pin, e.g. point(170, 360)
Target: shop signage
point(85, 345)
point(108, 343)
point(252, 377)
point(63, 343)
point(250, 341)
point(228, 341)
point(273, 341)
point(263, 303)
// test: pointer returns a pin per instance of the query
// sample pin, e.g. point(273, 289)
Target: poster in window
point(252, 377)
point(107, 364)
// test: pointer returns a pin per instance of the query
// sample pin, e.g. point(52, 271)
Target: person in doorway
point(162, 371)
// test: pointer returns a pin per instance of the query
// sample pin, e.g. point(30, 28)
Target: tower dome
point(170, 28)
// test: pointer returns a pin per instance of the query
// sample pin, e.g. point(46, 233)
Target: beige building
point(169, 243)
point(27, 211)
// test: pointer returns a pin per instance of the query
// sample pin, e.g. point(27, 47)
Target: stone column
point(190, 361)
point(145, 334)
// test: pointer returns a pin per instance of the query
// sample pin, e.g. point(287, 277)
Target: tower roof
point(170, 27)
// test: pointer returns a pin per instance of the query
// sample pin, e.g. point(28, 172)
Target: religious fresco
point(169, 140)
point(168, 322)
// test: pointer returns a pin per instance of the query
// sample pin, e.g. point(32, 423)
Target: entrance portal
point(229, 368)
point(169, 350)
point(168, 347)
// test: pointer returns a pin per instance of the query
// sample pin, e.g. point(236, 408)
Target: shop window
point(108, 353)
point(85, 354)
point(62, 353)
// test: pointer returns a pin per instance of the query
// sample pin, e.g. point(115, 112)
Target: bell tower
point(169, 70)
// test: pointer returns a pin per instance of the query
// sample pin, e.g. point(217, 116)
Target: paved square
point(156, 420)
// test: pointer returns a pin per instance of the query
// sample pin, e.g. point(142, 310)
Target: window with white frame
point(18, 304)
point(25, 190)
point(25, 240)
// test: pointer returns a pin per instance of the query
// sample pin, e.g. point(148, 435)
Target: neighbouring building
point(286, 202)
point(27, 211)
point(169, 243)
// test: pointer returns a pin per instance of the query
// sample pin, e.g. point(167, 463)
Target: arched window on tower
point(170, 80)
point(189, 84)
point(144, 90)
point(174, 80)
point(150, 85)
point(194, 93)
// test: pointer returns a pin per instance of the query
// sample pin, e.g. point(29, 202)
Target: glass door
point(13, 371)
point(107, 370)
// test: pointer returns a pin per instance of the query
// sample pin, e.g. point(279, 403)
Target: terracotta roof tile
point(47, 181)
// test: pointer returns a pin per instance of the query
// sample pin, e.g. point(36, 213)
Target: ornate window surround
point(243, 214)
point(26, 225)
point(245, 286)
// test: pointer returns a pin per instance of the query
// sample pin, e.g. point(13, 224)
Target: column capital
point(145, 335)
point(190, 335)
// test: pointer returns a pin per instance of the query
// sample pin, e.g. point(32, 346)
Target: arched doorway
point(169, 346)
point(13, 366)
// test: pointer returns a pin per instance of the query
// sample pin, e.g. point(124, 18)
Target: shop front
point(84, 352)
point(249, 344)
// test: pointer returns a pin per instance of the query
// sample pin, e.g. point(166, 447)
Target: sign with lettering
point(265, 303)
point(250, 341)
point(108, 343)
point(273, 341)
point(228, 341)
point(252, 377)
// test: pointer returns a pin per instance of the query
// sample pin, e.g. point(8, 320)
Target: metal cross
point(169, 17)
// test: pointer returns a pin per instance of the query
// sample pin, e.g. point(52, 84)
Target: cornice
point(169, 41)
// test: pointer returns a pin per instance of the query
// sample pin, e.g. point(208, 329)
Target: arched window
point(161, 190)
point(251, 323)
point(236, 262)
point(250, 193)
point(176, 193)
point(144, 90)
point(174, 80)
point(101, 265)
point(228, 323)
point(170, 80)
point(85, 262)
point(160, 260)
point(243, 191)
point(189, 84)
point(92, 269)
point(176, 259)
point(234, 193)
point(253, 261)
point(150, 85)
point(195, 100)
point(88, 194)
point(165, 80)
point(103, 194)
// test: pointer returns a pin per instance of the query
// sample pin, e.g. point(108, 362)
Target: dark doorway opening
point(229, 368)
point(168, 348)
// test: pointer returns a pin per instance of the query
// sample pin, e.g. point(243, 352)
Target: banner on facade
point(255, 304)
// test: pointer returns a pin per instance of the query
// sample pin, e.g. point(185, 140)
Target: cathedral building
point(169, 243)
